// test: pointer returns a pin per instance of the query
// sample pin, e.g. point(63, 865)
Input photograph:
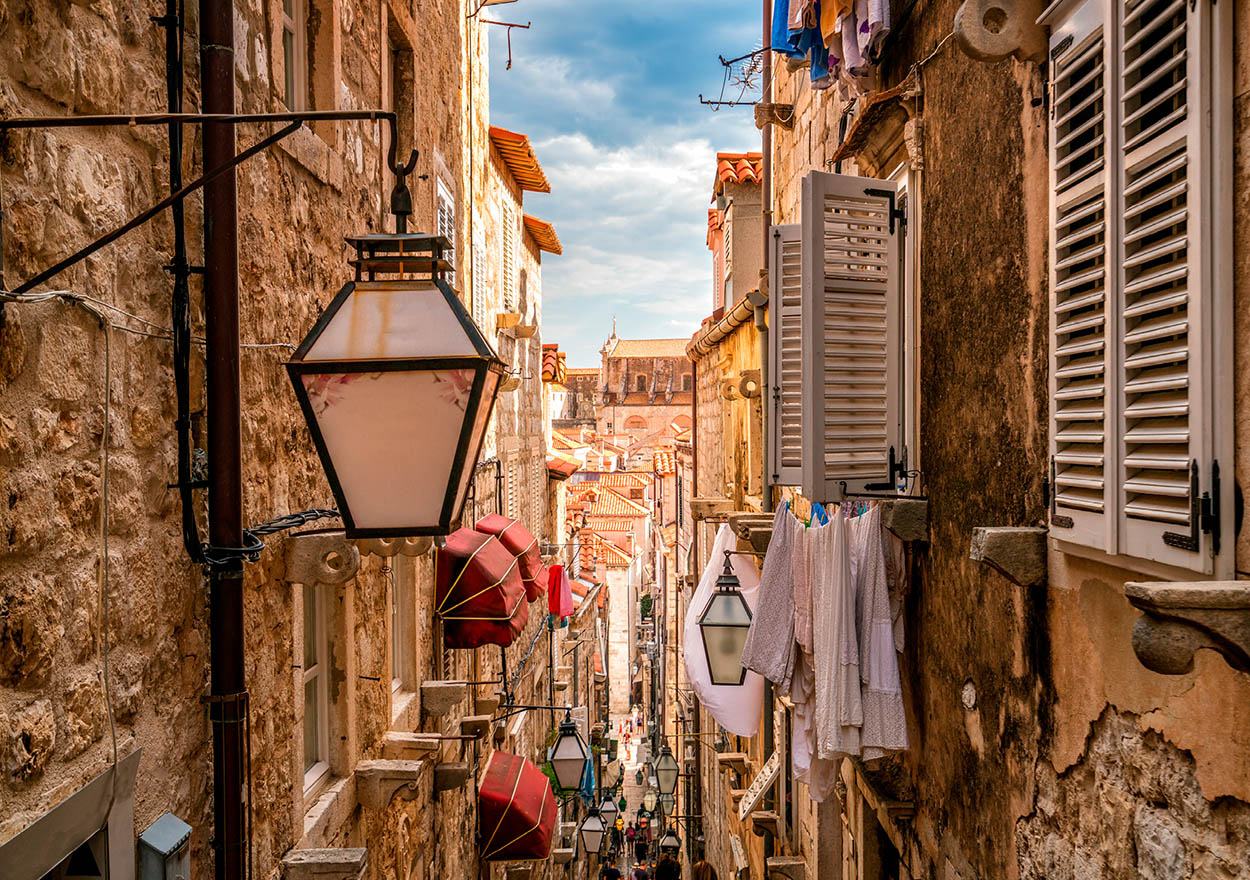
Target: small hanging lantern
point(648, 800)
point(592, 833)
point(569, 756)
point(670, 843)
point(638, 776)
point(723, 626)
point(397, 385)
point(666, 771)
point(608, 810)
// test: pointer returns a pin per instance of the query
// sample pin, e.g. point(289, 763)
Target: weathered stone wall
point(296, 202)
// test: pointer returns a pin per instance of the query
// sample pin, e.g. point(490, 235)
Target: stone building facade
point(109, 663)
point(644, 385)
point(1056, 730)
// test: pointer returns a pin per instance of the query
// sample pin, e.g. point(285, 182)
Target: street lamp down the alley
point(648, 801)
point(723, 626)
point(666, 771)
point(397, 385)
point(670, 842)
point(592, 833)
point(568, 756)
point(608, 810)
point(668, 804)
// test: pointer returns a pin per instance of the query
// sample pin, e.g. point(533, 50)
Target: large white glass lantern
point(666, 771)
point(397, 385)
point(569, 755)
point(723, 626)
point(592, 833)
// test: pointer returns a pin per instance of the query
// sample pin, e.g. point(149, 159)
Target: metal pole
point(766, 192)
point(225, 491)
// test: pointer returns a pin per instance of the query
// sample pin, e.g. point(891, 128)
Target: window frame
point(403, 624)
point(295, 55)
point(316, 774)
point(1111, 536)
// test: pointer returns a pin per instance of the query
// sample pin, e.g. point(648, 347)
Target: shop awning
point(543, 233)
point(516, 809)
point(519, 156)
point(522, 544)
point(479, 593)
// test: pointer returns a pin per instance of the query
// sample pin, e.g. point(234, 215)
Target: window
point(316, 656)
point(635, 423)
point(635, 494)
point(295, 53)
point(445, 209)
point(728, 266)
point(481, 307)
point(686, 383)
point(403, 624)
point(507, 257)
point(640, 383)
point(837, 363)
point(1139, 274)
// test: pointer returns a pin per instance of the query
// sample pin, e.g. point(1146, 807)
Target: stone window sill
point(1130, 565)
point(315, 156)
point(405, 710)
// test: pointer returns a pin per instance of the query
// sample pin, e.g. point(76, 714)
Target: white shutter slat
point(1165, 264)
point(1080, 290)
point(785, 364)
point(851, 330)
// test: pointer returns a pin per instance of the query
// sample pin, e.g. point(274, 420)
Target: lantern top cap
point(403, 253)
point(727, 579)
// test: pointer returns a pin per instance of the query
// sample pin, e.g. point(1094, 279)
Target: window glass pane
point(288, 7)
point(397, 668)
point(311, 721)
point(288, 64)
point(310, 627)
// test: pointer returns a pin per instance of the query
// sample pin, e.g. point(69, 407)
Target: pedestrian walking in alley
point(668, 868)
point(640, 873)
point(640, 847)
point(704, 871)
point(609, 872)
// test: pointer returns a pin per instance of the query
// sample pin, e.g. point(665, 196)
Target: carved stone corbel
point(440, 697)
point(388, 547)
point(781, 115)
point(562, 855)
point(993, 30)
point(789, 867)
point(330, 863)
point(1182, 618)
point(379, 781)
point(321, 558)
point(450, 774)
point(1017, 553)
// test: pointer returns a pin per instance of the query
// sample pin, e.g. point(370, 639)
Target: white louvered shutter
point(446, 221)
point(1166, 280)
point(1081, 232)
point(507, 260)
point(851, 331)
point(785, 356)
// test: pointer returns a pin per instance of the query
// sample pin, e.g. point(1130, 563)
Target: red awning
point(516, 809)
point(478, 591)
point(522, 544)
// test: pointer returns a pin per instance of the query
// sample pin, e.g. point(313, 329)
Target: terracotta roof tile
point(518, 155)
point(737, 168)
point(665, 462)
point(649, 348)
point(560, 466)
point(554, 369)
point(543, 233)
point(609, 524)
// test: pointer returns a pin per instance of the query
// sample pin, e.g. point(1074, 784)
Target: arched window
point(640, 383)
point(635, 423)
point(685, 382)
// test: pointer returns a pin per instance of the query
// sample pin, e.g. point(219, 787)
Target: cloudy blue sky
point(608, 93)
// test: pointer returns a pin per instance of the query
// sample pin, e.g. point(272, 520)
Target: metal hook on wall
point(401, 196)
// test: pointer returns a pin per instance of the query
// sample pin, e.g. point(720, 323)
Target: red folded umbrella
point(521, 542)
point(478, 591)
point(517, 810)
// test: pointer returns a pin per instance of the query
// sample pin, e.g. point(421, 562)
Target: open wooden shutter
point(1081, 232)
point(1167, 261)
point(507, 259)
point(851, 331)
point(785, 357)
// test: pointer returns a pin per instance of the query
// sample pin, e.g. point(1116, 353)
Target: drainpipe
point(227, 704)
point(759, 303)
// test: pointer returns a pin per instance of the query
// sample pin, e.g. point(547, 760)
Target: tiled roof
point(605, 502)
point(665, 461)
point(560, 466)
point(683, 436)
point(563, 441)
point(584, 371)
point(543, 233)
point(737, 168)
point(553, 363)
point(624, 479)
point(650, 348)
point(519, 156)
point(609, 524)
point(669, 533)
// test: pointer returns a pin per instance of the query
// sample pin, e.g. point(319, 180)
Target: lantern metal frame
point(568, 727)
point(608, 810)
point(727, 586)
point(673, 844)
point(419, 255)
point(666, 771)
point(602, 832)
point(649, 800)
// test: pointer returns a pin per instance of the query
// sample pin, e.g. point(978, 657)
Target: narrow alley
point(549, 440)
